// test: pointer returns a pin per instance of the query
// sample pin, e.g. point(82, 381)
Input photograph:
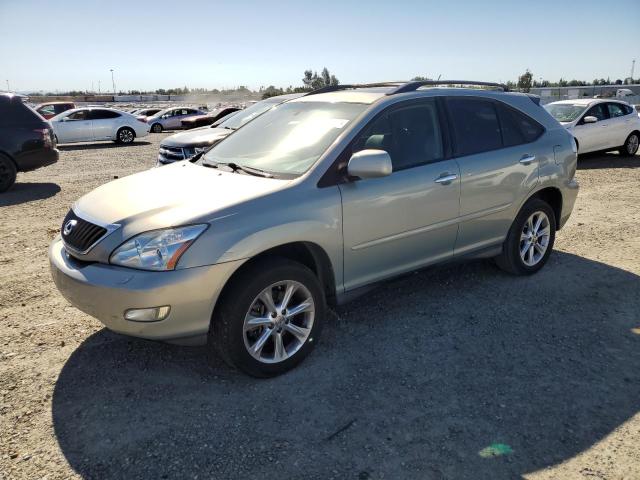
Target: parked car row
point(184, 145)
point(311, 202)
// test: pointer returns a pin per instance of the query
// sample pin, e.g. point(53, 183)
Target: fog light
point(147, 314)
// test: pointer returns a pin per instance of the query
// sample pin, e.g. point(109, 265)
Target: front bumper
point(107, 291)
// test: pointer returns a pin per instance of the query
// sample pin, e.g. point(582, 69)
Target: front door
point(407, 220)
point(74, 128)
point(593, 136)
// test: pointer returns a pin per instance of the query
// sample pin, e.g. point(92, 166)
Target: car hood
point(176, 194)
point(197, 137)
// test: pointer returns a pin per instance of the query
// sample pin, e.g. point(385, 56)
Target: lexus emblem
point(69, 226)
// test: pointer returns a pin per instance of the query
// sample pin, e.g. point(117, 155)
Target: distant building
point(551, 94)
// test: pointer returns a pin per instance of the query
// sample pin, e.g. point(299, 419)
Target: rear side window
point(411, 135)
point(517, 128)
point(616, 110)
point(475, 125)
point(102, 114)
point(14, 112)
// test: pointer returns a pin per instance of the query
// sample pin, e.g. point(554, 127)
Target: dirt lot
point(460, 372)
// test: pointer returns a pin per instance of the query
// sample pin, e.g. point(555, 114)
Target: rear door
point(104, 123)
point(409, 218)
point(499, 154)
point(620, 123)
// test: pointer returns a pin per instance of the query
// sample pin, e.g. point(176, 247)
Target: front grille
point(79, 234)
point(172, 153)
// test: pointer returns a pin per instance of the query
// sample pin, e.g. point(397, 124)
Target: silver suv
point(311, 202)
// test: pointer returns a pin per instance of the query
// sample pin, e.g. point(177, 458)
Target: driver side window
point(411, 135)
point(598, 111)
point(81, 115)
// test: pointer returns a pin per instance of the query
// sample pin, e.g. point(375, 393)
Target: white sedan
point(97, 123)
point(599, 124)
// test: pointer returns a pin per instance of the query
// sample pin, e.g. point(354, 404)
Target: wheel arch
point(10, 157)
point(309, 254)
point(553, 196)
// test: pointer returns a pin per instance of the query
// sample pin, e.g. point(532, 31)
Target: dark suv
point(26, 140)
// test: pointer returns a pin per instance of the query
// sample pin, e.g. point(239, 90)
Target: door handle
point(446, 178)
point(527, 159)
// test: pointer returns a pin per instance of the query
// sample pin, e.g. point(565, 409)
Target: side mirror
point(370, 164)
point(590, 119)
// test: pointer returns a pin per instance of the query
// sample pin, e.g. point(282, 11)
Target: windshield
point(565, 112)
point(287, 139)
point(249, 113)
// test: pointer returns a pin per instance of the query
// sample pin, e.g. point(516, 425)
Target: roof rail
point(412, 86)
point(404, 87)
point(334, 88)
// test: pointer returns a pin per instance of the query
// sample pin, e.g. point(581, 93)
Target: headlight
point(156, 250)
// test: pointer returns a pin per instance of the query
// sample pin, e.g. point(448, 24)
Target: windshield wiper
point(239, 168)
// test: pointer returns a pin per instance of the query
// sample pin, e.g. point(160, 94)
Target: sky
point(73, 44)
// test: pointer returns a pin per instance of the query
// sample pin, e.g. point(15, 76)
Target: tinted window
point(14, 112)
point(616, 110)
point(517, 128)
point(411, 135)
point(599, 111)
point(102, 114)
point(475, 125)
point(48, 110)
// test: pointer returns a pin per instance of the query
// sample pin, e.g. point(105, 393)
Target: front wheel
point(530, 239)
point(269, 318)
point(125, 136)
point(156, 128)
point(630, 146)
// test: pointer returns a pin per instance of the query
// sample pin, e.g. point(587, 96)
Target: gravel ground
point(458, 372)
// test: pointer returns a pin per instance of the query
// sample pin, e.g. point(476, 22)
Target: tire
point(233, 338)
point(630, 147)
point(8, 173)
point(521, 233)
point(156, 128)
point(125, 136)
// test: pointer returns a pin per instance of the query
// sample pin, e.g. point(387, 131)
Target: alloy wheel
point(126, 136)
point(632, 144)
point(279, 321)
point(534, 239)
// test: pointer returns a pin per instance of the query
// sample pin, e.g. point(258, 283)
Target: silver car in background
point(184, 145)
point(97, 123)
point(171, 118)
point(311, 203)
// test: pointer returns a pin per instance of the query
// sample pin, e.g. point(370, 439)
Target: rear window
point(475, 125)
point(13, 112)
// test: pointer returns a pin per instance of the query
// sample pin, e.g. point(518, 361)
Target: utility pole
point(113, 82)
point(98, 87)
point(8, 87)
point(633, 67)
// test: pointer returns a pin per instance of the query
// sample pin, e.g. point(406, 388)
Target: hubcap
point(534, 239)
point(279, 321)
point(632, 144)
point(126, 136)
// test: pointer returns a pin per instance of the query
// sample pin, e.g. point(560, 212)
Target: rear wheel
point(156, 128)
point(630, 146)
point(125, 136)
point(269, 318)
point(8, 173)
point(530, 239)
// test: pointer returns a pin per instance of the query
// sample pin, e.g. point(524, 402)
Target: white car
point(599, 124)
point(97, 123)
